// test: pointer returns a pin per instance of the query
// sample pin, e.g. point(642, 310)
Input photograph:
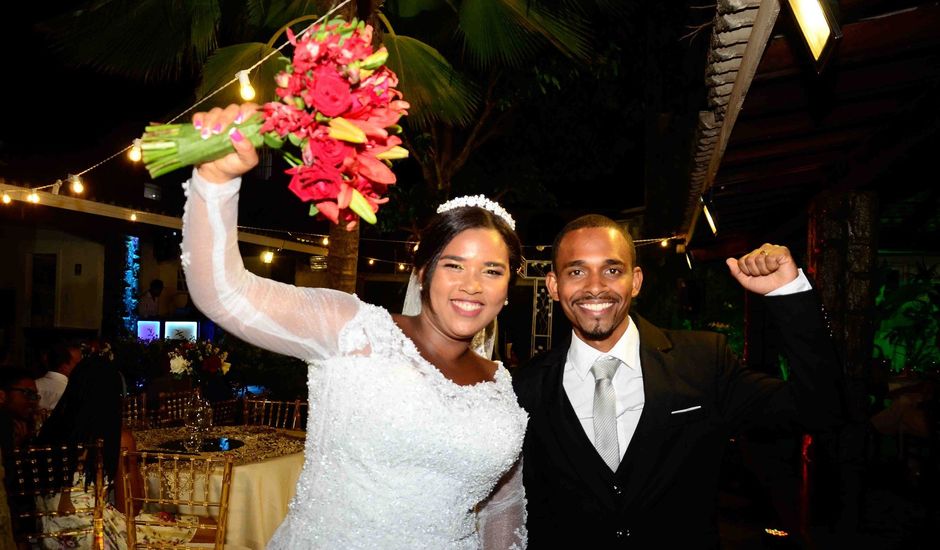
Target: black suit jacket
point(665, 490)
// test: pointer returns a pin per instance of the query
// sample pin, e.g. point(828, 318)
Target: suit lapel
point(563, 429)
point(642, 455)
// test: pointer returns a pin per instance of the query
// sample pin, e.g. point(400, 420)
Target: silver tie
point(605, 411)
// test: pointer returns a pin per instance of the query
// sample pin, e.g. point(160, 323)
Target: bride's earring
point(506, 303)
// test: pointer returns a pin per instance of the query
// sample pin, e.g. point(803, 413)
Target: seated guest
point(90, 409)
point(52, 385)
point(18, 399)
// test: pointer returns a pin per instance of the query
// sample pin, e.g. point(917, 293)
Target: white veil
point(483, 341)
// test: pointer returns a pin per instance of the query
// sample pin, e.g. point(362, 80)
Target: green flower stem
point(169, 147)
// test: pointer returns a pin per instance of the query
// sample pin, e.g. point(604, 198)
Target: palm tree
point(454, 75)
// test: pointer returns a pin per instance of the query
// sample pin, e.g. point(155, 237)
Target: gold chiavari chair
point(225, 413)
point(291, 415)
point(134, 412)
point(177, 482)
point(40, 477)
point(172, 408)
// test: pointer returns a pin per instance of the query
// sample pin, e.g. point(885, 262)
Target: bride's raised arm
point(302, 322)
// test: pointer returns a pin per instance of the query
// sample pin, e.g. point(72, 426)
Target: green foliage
point(429, 83)
point(218, 70)
point(908, 330)
point(147, 39)
point(510, 32)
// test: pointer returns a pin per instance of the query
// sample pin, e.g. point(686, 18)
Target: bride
point(413, 438)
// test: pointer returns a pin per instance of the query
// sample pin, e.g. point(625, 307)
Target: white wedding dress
point(397, 455)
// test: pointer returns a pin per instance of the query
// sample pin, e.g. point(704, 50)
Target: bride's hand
point(234, 164)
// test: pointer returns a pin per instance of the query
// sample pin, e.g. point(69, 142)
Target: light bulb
point(134, 154)
point(371, 261)
point(245, 89)
point(77, 186)
point(134, 217)
point(401, 267)
point(7, 199)
point(267, 256)
point(664, 243)
point(33, 197)
point(326, 241)
point(710, 220)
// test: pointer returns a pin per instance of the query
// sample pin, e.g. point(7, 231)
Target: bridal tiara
point(480, 202)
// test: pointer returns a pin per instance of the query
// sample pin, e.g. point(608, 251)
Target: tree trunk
point(343, 258)
point(842, 252)
point(342, 261)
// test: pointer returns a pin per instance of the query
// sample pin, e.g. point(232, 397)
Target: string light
point(244, 86)
point(77, 186)
point(33, 197)
point(401, 267)
point(241, 77)
point(371, 261)
point(664, 243)
point(7, 199)
point(326, 241)
point(134, 154)
point(267, 256)
point(134, 217)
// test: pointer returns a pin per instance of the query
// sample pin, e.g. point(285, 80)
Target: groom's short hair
point(591, 221)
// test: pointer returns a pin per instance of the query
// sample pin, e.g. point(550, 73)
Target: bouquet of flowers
point(338, 106)
point(199, 359)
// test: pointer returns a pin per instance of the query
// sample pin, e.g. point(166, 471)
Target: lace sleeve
point(501, 517)
point(301, 322)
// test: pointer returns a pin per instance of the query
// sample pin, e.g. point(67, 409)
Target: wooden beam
point(119, 212)
point(757, 41)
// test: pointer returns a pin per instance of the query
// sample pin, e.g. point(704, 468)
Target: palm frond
point(435, 90)
point(506, 31)
point(411, 8)
point(203, 34)
point(492, 35)
point(279, 13)
point(224, 64)
point(159, 35)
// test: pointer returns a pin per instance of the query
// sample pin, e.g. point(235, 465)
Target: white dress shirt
point(51, 387)
point(628, 380)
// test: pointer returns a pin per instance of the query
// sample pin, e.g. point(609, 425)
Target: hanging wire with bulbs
point(133, 150)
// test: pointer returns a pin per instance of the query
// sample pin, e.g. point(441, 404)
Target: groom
point(628, 422)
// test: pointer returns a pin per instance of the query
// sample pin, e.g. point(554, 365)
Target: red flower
point(325, 150)
point(375, 169)
point(315, 183)
point(284, 119)
point(212, 364)
point(330, 92)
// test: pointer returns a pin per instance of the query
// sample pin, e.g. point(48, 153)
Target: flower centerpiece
point(199, 360)
point(338, 107)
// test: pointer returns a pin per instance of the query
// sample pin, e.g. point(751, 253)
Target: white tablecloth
point(261, 489)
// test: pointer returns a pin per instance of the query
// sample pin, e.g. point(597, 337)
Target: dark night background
point(583, 145)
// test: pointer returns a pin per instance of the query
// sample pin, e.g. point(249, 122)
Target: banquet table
point(266, 468)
